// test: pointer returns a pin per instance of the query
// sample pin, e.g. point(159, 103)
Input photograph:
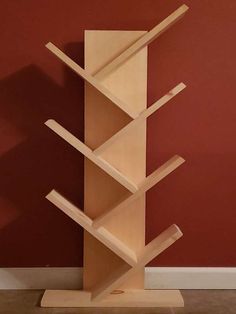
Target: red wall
point(199, 125)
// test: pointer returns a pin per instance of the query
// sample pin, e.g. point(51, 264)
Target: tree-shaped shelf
point(115, 253)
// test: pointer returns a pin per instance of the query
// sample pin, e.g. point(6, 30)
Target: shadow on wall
point(33, 160)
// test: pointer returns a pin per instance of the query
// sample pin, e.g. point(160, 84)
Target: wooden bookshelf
point(113, 219)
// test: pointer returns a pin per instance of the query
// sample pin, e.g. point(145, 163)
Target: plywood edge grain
point(142, 116)
point(90, 79)
point(87, 152)
point(155, 177)
point(142, 42)
point(104, 236)
point(129, 298)
point(150, 251)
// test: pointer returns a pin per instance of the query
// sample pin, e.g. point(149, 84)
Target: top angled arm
point(90, 79)
point(142, 42)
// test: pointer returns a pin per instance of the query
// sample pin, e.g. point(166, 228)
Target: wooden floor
point(196, 301)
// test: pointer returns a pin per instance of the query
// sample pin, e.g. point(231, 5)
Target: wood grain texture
point(143, 115)
point(101, 234)
point(112, 145)
point(151, 250)
point(87, 152)
point(129, 298)
point(129, 84)
point(141, 43)
point(147, 184)
point(91, 80)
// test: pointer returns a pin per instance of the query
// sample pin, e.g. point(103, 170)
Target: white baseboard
point(41, 278)
point(155, 278)
point(190, 277)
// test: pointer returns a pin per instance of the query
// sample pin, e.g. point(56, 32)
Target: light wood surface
point(101, 234)
point(141, 43)
point(147, 184)
point(142, 116)
point(87, 152)
point(129, 298)
point(153, 249)
point(115, 253)
point(91, 80)
point(129, 84)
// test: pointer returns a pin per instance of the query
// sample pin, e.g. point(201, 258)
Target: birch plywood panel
point(102, 119)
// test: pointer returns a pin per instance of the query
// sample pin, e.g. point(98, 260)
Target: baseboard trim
point(155, 278)
point(190, 277)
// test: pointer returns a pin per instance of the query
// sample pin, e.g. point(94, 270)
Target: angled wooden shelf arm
point(137, 46)
point(150, 251)
point(91, 80)
point(142, 116)
point(142, 42)
point(103, 235)
point(118, 277)
point(147, 184)
point(87, 152)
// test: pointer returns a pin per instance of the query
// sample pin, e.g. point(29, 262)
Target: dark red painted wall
point(199, 124)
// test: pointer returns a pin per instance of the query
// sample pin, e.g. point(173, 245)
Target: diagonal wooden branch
point(150, 251)
point(90, 79)
point(134, 48)
point(101, 234)
point(143, 115)
point(142, 42)
point(87, 152)
point(147, 184)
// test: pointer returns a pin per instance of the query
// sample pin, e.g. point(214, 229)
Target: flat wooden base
point(127, 298)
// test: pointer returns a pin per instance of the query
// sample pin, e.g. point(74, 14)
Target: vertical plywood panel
point(128, 154)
